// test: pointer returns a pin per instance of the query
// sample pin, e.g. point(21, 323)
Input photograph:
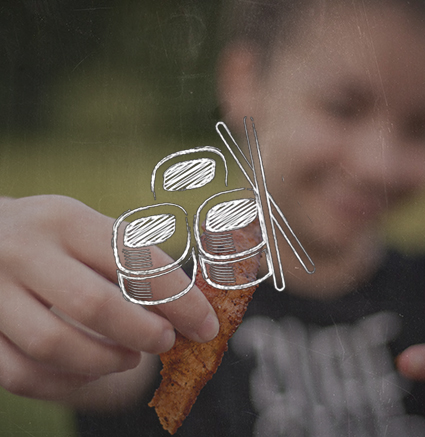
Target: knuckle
point(87, 306)
point(19, 226)
point(9, 253)
point(53, 210)
point(43, 211)
point(14, 246)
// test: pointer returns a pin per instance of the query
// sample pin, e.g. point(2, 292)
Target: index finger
point(191, 314)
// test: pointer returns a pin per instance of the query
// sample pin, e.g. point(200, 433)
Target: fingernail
point(91, 378)
point(168, 340)
point(209, 328)
point(129, 361)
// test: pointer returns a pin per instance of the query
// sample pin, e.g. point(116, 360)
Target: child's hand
point(63, 321)
point(411, 362)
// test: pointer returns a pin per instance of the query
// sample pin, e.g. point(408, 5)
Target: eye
point(347, 103)
point(342, 109)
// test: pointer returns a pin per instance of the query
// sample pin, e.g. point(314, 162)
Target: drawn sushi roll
point(218, 257)
point(135, 233)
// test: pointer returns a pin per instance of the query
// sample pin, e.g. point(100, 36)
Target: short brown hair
point(263, 22)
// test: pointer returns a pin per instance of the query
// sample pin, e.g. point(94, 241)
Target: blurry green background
point(92, 95)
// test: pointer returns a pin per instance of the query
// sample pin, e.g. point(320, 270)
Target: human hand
point(63, 321)
point(411, 362)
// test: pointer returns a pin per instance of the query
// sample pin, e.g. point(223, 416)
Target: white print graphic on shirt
point(326, 382)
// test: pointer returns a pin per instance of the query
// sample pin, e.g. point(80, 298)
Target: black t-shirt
point(299, 367)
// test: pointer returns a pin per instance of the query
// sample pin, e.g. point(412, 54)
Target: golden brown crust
point(189, 365)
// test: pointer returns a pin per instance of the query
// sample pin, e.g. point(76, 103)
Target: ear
point(237, 83)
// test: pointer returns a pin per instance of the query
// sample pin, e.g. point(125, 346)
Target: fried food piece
point(189, 365)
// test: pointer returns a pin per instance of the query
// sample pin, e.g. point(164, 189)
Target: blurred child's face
point(341, 118)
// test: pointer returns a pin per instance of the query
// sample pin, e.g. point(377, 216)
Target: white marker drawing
point(219, 257)
point(189, 174)
point(222, 213)
point(231, 215)
point(135, 268)
point(266, 204)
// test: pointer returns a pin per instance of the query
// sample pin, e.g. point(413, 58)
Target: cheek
point(297, 144)
point(408, 171)
point(300, 153)
point(416, 177)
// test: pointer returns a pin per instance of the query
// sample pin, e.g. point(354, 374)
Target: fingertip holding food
point(167, 341)
point(209, 328)
point(126, 360)
point(132, 360)
point(411, 362)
